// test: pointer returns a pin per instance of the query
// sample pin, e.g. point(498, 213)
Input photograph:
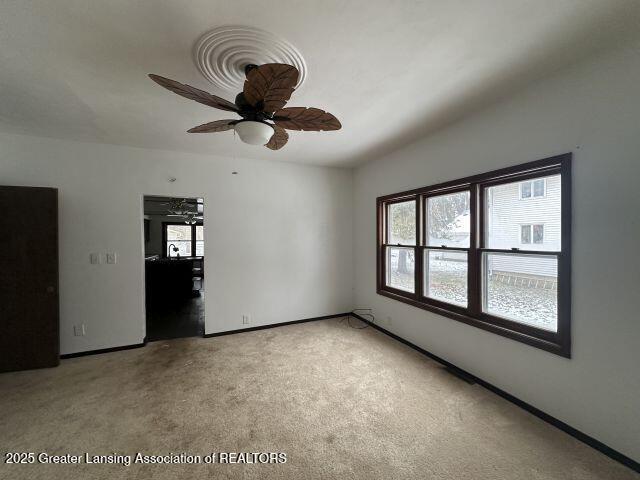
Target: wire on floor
point(361, 312)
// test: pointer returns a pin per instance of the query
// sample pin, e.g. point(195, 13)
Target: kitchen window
point(188, 239)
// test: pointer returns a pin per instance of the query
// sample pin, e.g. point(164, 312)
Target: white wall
point(591, 109)
point(278, 236)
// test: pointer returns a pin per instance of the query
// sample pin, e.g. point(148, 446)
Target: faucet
point(175, 249)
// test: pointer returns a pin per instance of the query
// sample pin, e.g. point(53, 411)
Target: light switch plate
point(111, 258)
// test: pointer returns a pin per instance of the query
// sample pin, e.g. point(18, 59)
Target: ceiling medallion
point(222, 54)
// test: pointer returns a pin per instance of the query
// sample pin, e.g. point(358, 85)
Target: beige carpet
point(341, 403)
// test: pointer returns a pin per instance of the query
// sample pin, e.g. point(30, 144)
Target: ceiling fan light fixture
point(254, 133)
point(264, 95)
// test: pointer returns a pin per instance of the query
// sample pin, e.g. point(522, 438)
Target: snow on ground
point(533, 306)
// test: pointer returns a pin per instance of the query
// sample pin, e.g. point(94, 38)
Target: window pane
point(199, 241)
point(401, 223)
point(525, 190)
point(446, 276)
point(449, 220)
point(525, 233)
point(401, 268)
point(538, 233)
point(183, 246)
point(506, 212)
point(538, 187)
point(178, 232)
point(522, 288)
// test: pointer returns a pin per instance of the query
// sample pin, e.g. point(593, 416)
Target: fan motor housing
point(249, 112)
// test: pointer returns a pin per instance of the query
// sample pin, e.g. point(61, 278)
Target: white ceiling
point(391, 71)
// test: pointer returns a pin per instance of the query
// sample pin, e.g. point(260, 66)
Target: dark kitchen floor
point(176, 320)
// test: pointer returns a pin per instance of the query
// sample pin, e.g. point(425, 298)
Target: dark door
point(29, 331)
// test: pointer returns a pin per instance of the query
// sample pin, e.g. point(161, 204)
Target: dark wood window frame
point(556, 342)
point(193, 236)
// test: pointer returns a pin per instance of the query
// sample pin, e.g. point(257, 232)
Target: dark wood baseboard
point(273, 325)
point(206, 335)
point(103, 350)
point(583, 437)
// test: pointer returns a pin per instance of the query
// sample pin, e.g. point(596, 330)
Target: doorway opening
point(174, 267)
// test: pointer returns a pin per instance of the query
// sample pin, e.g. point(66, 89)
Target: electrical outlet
point(246, 319)
point(79, 330)
point(111, 258)
point(94, 258)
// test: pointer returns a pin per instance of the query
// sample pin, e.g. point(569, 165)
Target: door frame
point(143, 297)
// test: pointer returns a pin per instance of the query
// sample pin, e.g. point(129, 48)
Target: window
point(448, 241)
point(532, 188)
point(188, 239)
point(538, 233)
point(472, 251)
point(199, 241)
point(521, 288)
point(400, 248)
point(401, 265)
point(446, 277)
point(531, 234)
point(178, 236)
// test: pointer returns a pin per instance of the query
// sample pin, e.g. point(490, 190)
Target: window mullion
point(193, 240)
point(418, 252)
point(475, 240)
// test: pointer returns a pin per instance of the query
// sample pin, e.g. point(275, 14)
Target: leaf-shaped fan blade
point(278, 139)
point(309, 119)
point(193, 93)
point(217, 126)
point(271, 85)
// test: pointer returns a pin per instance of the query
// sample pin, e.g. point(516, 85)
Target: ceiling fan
point(261, 104)
point(180, 208)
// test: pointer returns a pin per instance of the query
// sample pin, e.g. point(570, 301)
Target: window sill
point(561, 349)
